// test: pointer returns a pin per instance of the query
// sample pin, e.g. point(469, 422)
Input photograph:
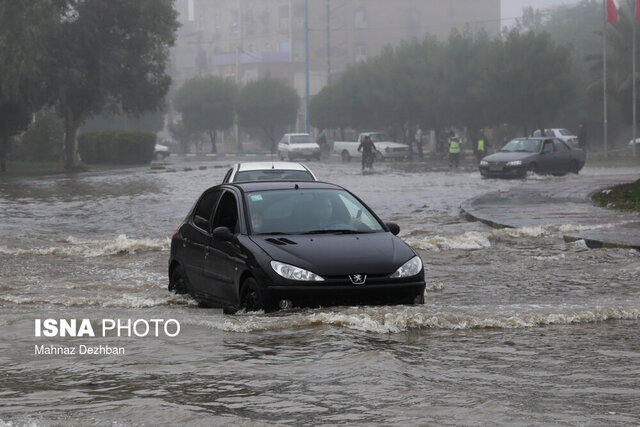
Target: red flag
point(612, 12)
point(637, 10)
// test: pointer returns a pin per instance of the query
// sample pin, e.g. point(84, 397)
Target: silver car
point(268, 171)
point(298, 145)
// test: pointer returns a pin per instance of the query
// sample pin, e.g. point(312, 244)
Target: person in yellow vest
point(481, 147)
point(454, 150)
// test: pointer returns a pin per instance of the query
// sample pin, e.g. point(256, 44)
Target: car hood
point(507, 156)
point(338, 254)
point(390, 144)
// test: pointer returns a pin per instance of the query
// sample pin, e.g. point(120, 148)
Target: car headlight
point(484, 163)
point(515, 163)
point(292, 272)
point(409, 268)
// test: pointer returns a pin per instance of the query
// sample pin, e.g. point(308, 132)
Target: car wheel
point(533, 168)
point(574, 167)
point(419, 299)
point(346, 157)
point(250, 298)
point(178, 282)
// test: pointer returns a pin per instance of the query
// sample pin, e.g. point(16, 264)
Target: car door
point(283, 145)
point(547, 157)
point(195, 240)
point(220, 254)
point(563, 156)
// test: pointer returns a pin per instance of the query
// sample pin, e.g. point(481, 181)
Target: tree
point(207, 105)
point(14, 118)
point(532, 79)
point(107, 54)
point(269, 105)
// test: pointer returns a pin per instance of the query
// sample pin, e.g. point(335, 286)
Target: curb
point(466, 208)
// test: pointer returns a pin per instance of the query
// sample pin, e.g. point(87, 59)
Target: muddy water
point(518, 327)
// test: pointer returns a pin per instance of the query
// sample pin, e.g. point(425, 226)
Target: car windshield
point(301, 139)
point(311, 211)
point(564, 132)
point(378, 137)
point(522, 146)
point(273, 175)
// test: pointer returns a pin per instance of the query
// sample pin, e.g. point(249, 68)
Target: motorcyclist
point(368, 149)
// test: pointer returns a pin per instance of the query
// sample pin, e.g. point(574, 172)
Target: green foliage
point(152, 122)
point(87, 56)
point(268, 104)
point(44, 140)
point(469, 81)
point(207, 104)
point(117, 147)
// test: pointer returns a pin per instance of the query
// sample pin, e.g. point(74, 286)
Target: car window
point(227, 213)
point(522, 145)
point(548, 146)
point(564, 132)
point(204, 208)
point(378, 137)
point(273, 175)
point(560, 145)
point(304, 211)
point(301, 139)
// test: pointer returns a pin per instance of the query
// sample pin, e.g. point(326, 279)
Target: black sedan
point(537, 155)
point(270, 244)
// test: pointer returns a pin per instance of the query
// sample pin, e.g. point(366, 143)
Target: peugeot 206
point(276, 244)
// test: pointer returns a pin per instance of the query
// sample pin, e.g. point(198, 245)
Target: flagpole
point(604, 74)
point(633, 76)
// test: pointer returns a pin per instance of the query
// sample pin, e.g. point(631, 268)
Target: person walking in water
point(481, 147)
point(454, 150)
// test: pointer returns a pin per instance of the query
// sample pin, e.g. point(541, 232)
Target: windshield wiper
point(272, 233)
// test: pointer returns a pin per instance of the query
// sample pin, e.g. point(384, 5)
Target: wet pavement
point(564, 204)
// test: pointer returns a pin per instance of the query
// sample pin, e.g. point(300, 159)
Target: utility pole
point(306, 64)
point(328, 41)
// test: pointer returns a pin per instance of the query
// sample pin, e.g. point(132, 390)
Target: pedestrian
point(481, 147)
point(322, 143)
point(367, 148)
point(582, 136)
point(454, 150)
point(391, 133)
point(408, 139)
point(418, 139)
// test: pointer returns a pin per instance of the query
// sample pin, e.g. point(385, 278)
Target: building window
point(361, 53)
point(360, 19)
point(235, 21)
point(283, 18)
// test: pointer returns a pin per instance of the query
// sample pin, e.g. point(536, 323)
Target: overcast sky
point(513, 8)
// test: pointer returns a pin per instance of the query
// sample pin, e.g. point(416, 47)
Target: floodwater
point(518, 326)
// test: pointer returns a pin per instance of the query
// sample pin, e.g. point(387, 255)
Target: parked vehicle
point(269, 244)
point(161, 152)
point(293, 145)
point(536, 155)
point(559, 133)
point(269, 171)
point(386, 149)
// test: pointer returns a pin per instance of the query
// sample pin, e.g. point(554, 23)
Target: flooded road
point(518, 327)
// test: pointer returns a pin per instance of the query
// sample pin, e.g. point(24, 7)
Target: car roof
point(251, 186)
point(252, 166)
point(295, 134)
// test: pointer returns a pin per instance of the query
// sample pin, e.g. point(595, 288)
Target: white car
point(637, 143)
point(269, 171)
point(161, 152)
point(294, 145)
point(560, 133)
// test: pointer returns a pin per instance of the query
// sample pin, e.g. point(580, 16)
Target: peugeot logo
point(358, 279)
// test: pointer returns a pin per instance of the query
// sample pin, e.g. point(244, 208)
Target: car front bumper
point(315, 295)
point(503, 171)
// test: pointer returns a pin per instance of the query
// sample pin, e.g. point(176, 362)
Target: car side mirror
point(223, 233)
point(393, 228)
